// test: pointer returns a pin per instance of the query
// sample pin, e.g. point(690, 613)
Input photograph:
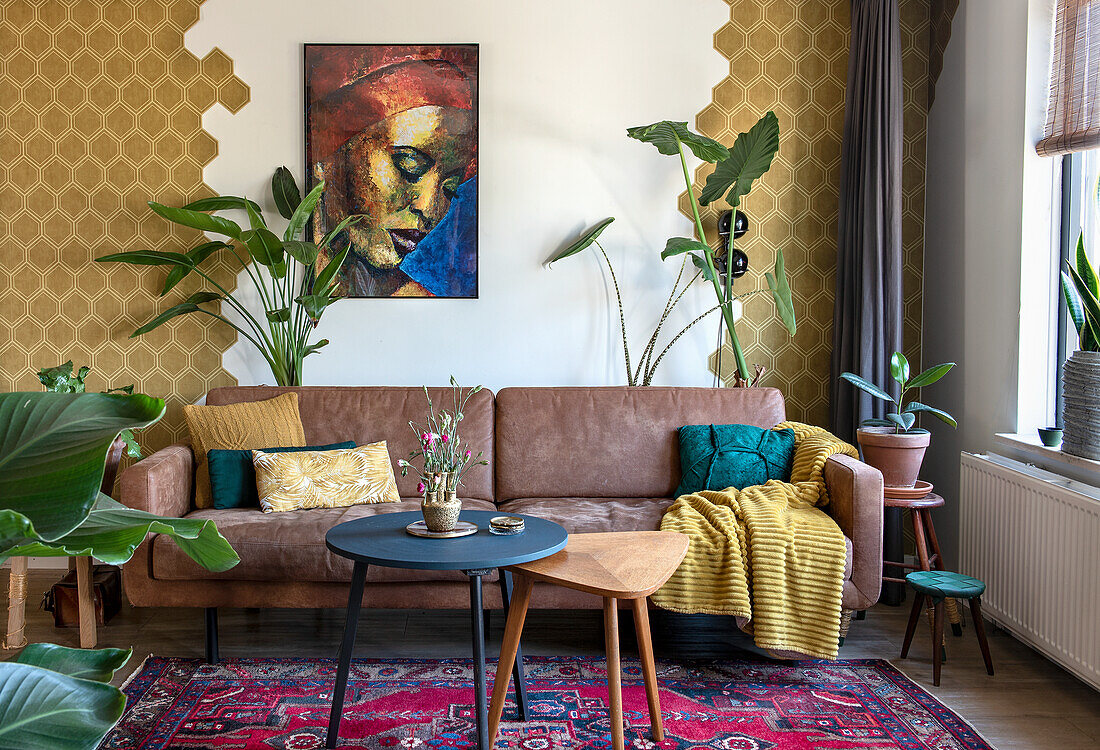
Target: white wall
point(560, 82)
point(987, 244)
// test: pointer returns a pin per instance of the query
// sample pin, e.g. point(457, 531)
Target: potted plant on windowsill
point(894, 445)
point(1081, 377)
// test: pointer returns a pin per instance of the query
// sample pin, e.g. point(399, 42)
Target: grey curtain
point(867, 320)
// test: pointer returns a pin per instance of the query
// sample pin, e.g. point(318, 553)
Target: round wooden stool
point(615, 565)
point(928, 546)
point(940, 586)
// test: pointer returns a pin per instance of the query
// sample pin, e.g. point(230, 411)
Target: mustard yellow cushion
point(253, 424)
point(325, 479)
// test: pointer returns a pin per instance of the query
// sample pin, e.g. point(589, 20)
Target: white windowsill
point(1030, 449)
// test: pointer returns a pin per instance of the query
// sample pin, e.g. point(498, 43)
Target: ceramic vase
point(440, 506)
point(1081, 396)
point(897, 455)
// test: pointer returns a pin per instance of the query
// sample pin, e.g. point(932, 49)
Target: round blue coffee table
point(382, 540)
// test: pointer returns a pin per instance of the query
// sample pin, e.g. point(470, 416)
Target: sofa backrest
point(331, 414)
point(610, 442)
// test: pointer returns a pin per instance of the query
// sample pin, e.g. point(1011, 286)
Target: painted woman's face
point(402, 173)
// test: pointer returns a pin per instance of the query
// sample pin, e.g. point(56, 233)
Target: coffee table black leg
point(517, 668)
point(351, 621)
point(478, 621)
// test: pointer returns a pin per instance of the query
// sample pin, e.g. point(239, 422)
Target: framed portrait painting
point(392, 129)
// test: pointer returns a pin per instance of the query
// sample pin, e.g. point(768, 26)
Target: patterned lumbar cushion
point(233, 478)
point(275, 421)
point(719, 456)
point(325, 479)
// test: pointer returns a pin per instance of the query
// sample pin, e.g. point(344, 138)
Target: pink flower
point(466, 454)
point(424, 437)
point(446, 439)
point(421, 487)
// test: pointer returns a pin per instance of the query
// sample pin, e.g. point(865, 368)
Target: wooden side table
point(929, 556)
point(615, 565)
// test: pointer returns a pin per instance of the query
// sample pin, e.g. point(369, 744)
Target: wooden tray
point(916, 492)
point(462, 528)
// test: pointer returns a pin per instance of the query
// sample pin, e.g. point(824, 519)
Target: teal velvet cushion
point(718, 456)
point(233, 477)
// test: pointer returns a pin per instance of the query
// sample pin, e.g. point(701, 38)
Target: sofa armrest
point(856, 504)
point(161, 483)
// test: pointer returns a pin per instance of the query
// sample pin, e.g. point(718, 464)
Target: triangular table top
point(618, 564)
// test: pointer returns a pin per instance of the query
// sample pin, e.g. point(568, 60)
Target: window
point(1080, 213)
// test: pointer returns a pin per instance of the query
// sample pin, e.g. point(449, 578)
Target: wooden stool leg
point(918, 535)
point(979, 628)
point(85, 602)
point(911, 628)
point(614, 669)
point(937, 639)
point(649, 669)
point(17, 604)
point(937, 564)
point(517, 613)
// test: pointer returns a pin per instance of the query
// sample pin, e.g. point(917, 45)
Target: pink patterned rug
point(427, 705)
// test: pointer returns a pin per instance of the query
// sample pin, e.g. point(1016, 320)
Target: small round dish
point(916, 492)
point(506, 525)
point(462, 528)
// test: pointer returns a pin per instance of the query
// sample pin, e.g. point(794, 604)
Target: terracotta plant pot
point(897, 456)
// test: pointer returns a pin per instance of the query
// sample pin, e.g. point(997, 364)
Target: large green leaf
point(899, 368)
point(867, 386)
point(1085, 269)
point(87, 664)
point(582, 242)
point(904, 420)
point(1076, 310)
point(196, 255)
point(931, 375)
point(750, 157)
point(45, 710)
point(314, 305)
point(681, 245)
point(346, 222)
point(668, 135)
point(701, 263)
point(112, 532)
point(916, 406)
point(189, 305)
point(328, 274)
point(148, 258)
point(781, 293)
point(198, 220)
point(1089, 302)
point(266, 249)
point(53, 447)
point(303, 252)
point(285, 191)
point(302, 213)
point(222, 203)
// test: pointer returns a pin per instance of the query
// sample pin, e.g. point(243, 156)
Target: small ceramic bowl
point(1050, 436)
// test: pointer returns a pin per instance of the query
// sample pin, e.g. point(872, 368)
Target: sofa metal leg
point(211, 635)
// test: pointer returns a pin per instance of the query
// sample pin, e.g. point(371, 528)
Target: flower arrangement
point(446, 459)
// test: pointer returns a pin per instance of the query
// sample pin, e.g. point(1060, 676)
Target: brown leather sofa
point(592, 459)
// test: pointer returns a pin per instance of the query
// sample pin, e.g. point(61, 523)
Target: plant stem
point(653, 370)
point(727, 308)
point(622, 317)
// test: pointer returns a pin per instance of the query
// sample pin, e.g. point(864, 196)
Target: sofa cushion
point(718, 456)
point(585, 515)
point(368, 414)
point(290, 546)
point(233, 478)
point(609, 442)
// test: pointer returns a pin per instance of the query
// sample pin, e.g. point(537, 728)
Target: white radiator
point(1034, 538)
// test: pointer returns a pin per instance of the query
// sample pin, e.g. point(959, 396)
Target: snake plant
point(1082, 292)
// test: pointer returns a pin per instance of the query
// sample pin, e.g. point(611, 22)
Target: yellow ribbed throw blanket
point(766, 554)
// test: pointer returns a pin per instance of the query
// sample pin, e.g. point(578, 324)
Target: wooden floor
point(1030, 703)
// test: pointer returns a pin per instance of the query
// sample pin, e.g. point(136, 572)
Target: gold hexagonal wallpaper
point(101, 109)
point(792, 57)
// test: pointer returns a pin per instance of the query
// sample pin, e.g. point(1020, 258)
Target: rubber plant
point(905, 412)
point(62, 379)
point(53, 448)
point(282, 273)
point(736, 169)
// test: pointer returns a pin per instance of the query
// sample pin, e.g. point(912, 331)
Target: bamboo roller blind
point(1073, 112)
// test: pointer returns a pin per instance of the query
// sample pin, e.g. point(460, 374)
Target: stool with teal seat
point(939, 585)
